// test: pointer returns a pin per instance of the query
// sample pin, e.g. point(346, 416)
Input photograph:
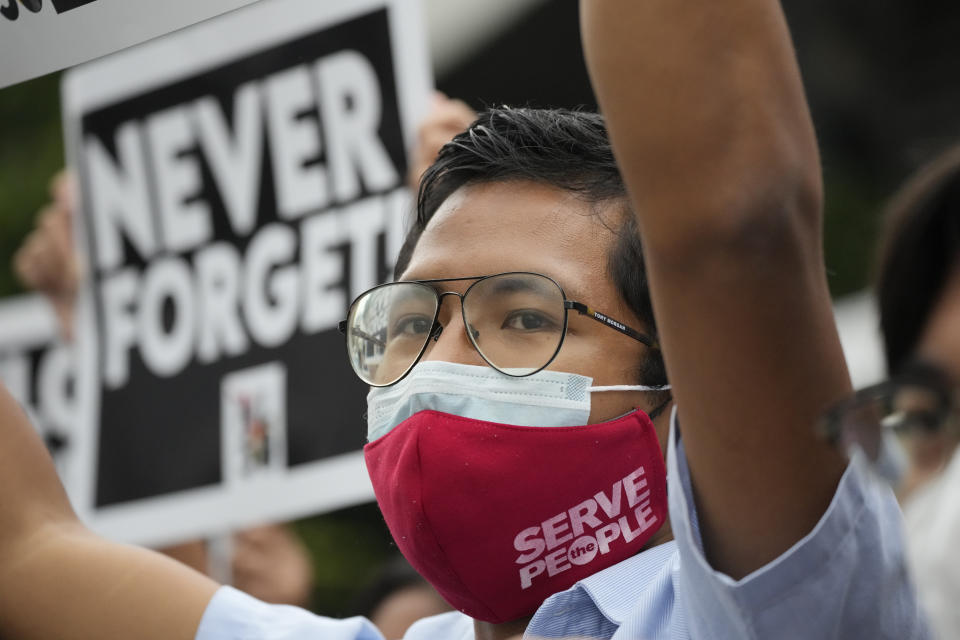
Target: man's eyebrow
point(517, 284)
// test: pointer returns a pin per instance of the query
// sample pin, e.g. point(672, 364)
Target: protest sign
point(242, 180)
point(37, 368)
point(38, 37)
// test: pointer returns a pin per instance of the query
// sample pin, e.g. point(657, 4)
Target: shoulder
point(452, 625)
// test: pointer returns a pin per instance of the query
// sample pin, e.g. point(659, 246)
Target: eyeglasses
point(516, 321)
point(918, 400)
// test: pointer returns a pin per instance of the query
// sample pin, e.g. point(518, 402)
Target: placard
point(242, 181)
point(38, 37)
point(37, 367)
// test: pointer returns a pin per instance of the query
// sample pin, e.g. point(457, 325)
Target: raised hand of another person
point(446, 119)
point(272, 564)
point(47, 261)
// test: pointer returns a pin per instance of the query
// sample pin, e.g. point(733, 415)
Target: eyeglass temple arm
point(584, 310)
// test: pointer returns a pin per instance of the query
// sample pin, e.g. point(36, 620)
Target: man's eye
point(411, 326)
point(526, 320)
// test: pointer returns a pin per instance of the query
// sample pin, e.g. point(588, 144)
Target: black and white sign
point(38, 369)
point(242, 181)
point(42, 36)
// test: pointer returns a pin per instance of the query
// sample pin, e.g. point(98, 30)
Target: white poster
point(242, 181)
point(38, 37)
point(38, 369)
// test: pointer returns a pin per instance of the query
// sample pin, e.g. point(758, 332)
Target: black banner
point(232, 216)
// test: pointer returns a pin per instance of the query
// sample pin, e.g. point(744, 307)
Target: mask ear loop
point(630, 387)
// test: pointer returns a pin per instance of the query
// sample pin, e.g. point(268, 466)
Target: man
point(523, 301)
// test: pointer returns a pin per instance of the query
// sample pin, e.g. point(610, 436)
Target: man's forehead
point(508, 226)
point(524, 206)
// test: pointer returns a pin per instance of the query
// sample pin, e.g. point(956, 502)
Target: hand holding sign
point(272, 564)
point(47, 260)
point(447, 118)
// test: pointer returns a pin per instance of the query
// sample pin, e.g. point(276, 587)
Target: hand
point(446, 119)
point(270, 563)
point(192, 553)
point(47, 261)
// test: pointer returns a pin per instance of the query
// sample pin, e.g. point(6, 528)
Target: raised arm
point(58, 580)
point(710, 125)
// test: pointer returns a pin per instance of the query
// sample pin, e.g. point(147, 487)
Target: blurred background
point(876, 76)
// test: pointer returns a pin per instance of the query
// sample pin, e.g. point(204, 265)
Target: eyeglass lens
point(904, 409)
point(514, 320)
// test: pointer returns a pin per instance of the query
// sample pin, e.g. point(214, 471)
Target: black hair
point(566, 149)
point(919, 251)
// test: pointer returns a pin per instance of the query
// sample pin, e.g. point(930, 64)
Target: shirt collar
point(616, 590)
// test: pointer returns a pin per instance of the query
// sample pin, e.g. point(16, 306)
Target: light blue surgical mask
point(545, 399)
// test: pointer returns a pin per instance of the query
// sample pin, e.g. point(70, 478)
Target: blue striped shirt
point(846, 579)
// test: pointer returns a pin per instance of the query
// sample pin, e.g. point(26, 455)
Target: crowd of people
point(705, 469)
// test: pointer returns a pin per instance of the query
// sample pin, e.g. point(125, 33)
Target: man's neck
point(664, 534)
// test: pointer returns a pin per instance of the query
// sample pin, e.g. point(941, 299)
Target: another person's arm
point(710, 125)
point(58, 580)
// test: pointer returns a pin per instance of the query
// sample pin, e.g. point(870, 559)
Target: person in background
point(398, 597)
point(918, 291)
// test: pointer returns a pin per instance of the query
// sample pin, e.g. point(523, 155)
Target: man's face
point(492, 228)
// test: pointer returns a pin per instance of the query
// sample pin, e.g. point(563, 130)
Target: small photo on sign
point(254, 422)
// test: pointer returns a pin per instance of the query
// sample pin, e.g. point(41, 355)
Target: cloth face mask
point(499, 516)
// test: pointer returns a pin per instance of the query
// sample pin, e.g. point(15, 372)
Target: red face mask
point(498, 517)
